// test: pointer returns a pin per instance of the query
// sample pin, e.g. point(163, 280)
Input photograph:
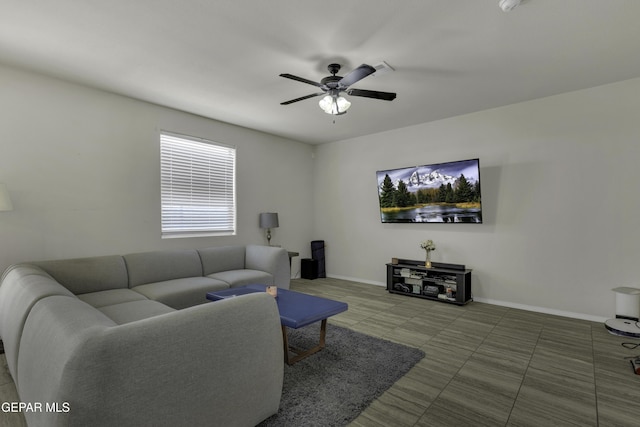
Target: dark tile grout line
point(524, 374)
point(595, 377)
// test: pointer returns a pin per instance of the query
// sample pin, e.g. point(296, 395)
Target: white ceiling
point(222, 58)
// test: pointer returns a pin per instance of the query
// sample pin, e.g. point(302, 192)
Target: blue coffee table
point(296, 311)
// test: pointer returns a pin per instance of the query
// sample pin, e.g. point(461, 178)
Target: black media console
point(442, 282)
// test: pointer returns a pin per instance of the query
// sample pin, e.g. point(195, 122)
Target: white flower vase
point(427, 263)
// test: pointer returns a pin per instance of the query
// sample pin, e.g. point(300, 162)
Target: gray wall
point(82, 168)
point(560, 200)
point(559, 182)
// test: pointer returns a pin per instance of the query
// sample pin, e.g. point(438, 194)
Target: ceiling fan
point(333, 85)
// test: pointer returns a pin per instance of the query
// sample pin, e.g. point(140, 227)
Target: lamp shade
point(5, 200)
point(333, 104)
point(269, 220)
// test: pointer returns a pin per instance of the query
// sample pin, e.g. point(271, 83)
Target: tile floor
point(485, 365)
point(488, 365)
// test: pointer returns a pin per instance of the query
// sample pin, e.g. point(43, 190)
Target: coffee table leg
point(323, 333)
point(285, 341)
point(301, 354)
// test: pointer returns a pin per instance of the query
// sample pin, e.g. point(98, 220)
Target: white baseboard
point(533, 308)
point(544, 310)
point(356, 279)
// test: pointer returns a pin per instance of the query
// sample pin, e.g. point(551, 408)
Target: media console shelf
point(442, 282)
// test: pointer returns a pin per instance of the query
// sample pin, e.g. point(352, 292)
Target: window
point(198, 187)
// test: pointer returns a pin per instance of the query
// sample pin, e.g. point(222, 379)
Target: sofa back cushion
point(222, 258)
point(84, 275)
point(159, 266)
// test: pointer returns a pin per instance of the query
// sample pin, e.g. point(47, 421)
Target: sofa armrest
point(219, 361)
point(271, 259)
point(23, 285)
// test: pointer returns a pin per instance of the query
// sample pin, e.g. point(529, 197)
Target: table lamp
point(269, 220)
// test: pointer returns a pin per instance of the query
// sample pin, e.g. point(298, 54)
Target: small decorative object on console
point(428, 246)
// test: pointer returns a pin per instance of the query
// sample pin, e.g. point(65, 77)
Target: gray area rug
point(332, 387)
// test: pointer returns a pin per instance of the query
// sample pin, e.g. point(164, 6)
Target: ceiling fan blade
point(301, 79)
point(386, 96)
point(302, 98)
point(356, 75)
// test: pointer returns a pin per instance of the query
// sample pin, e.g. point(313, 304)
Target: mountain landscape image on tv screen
point(443, 192)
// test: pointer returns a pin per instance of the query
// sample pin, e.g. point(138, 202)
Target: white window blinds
point(198, 187)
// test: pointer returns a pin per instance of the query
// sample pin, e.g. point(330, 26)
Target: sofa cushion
point(223, 258)
point(181, 293)
point(111, 297)
point(237, 278)
point(83, 275)
point(134, 310)
point(152, 267)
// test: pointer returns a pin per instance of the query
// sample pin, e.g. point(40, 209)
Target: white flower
point(428, 245)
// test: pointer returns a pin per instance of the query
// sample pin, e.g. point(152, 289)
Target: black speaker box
point(317, 253)
point(309, 268)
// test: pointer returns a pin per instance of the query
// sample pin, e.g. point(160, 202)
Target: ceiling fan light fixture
point(333, 104)
point(332, 86)
point(508, 5)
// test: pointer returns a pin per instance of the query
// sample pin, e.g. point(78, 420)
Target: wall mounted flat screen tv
point(442, 192)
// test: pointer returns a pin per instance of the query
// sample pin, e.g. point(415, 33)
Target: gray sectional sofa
point(132, 341)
